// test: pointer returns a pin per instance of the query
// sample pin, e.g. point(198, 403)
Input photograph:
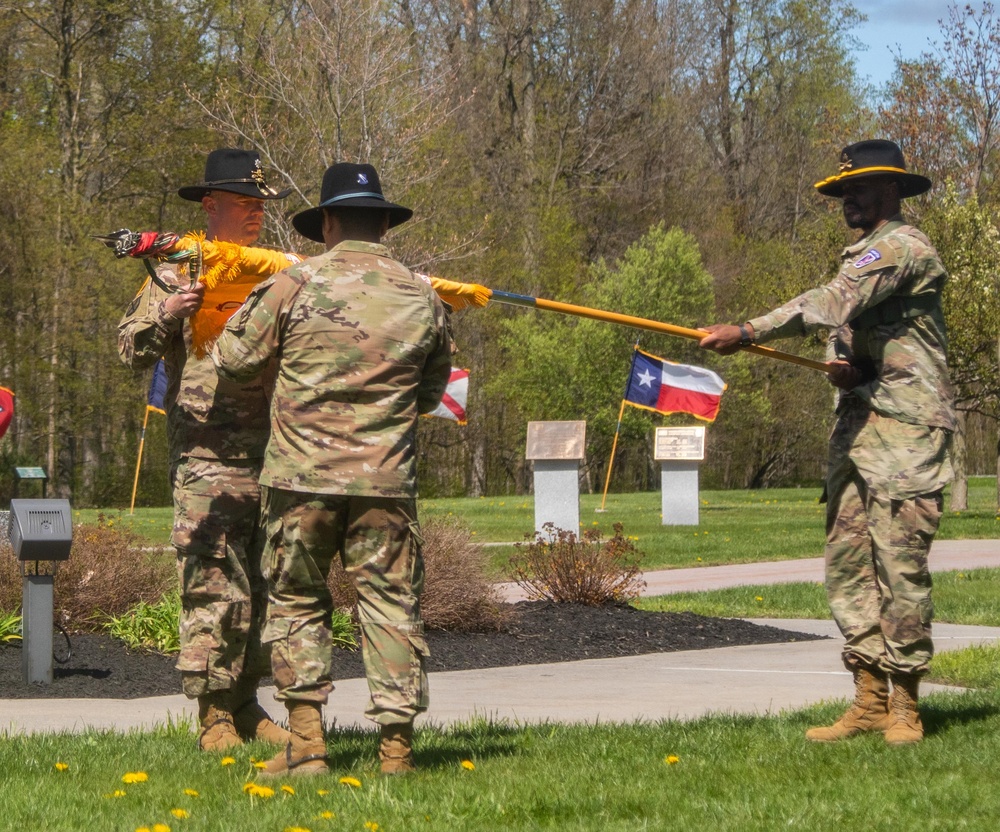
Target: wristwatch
point(746, 340)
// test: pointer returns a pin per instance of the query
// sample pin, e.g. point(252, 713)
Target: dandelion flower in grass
point(191, 793)
point(288, 790)
point(468, 765)
point(260, 765)
point(160, 827)
point(322, 792)
point(135, 777)
point(295, 829)
point(227, 761)
point(758, 598)
point(671, 760)
point(327, 815)
point(371, 826)
point(353, 782)
point(180, 814)
point(61, 767)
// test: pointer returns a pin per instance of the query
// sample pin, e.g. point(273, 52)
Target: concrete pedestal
point(557, 494)
point(679, 485)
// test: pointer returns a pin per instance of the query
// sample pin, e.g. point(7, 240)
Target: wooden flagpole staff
point(644, 323)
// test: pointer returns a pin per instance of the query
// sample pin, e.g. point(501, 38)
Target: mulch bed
point(539, 632)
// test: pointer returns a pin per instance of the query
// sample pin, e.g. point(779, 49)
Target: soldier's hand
point(723, 338)
point(843, 375)
point(185, 304)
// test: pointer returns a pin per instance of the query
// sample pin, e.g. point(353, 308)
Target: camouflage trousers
point(378, 541)
point(877, 578)
point(223, 594)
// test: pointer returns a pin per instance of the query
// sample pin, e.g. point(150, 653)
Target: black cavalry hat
point(875, 157)
point(234, 170)
point(346, 185)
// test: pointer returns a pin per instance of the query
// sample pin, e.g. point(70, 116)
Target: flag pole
point(138, 461)
point(611, 461)
point(645, 323)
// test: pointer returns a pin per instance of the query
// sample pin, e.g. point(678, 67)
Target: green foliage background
point(653, 157)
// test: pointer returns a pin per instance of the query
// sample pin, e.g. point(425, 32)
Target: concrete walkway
point(760, 679)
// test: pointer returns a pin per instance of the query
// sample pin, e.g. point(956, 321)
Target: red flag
point(6, 409)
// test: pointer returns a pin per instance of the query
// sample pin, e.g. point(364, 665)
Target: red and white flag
point(456, 395)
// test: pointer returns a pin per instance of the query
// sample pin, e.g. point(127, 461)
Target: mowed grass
point(720, 773)
point(734, 526)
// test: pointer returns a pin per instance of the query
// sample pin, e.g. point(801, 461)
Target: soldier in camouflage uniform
point(217, 432)
point(362, 348)
point(889, 450)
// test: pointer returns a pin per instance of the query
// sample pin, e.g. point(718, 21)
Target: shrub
point(558, 566)
point(107, 573)
point(457, 594)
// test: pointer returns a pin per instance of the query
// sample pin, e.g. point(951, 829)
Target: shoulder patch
point(867, 258)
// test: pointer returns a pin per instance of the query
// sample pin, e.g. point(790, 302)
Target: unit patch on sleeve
point(867, 259)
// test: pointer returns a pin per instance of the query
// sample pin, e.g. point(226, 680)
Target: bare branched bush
point(457, 595)
point(106, 574)
point(559, 566)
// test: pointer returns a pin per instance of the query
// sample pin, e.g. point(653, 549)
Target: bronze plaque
point(556, 440)
point(679, 443)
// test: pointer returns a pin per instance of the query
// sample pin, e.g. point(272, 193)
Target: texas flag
point(456, 395)
point(656, 384)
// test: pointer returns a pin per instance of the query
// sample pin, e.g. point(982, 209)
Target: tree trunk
point(960, 487)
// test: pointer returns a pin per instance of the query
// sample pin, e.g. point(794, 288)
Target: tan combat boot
point(870, 711)
point(395, 749)
point(305, 752)
point(217, 730)
point(251, 720)
point(905, 725)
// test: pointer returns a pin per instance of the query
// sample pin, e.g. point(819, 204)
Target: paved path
point(760, 679)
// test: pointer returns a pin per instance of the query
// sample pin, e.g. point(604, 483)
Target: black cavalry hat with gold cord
point(875, 157)
point(347, 185)
point(234, 170)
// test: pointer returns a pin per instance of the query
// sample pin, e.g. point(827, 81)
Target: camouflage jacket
point(207, 417)
point(902, 344)
point(363, 348)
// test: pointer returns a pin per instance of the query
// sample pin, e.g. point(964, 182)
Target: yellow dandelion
point(322, 792)
point(371, 826)
point(160, 827)
point(698, 559)
point(135, 777)
point(61, 767)
point(191, 793)
point(260, 765)
point(758, 598)
point(180, 814)
point(288, 790)
point(673, 759)
point(350, 781)
point(295, 829)
point(468, 765)
point(142, 829)
point(116, 793)
point(227, 761)
point(327, 815)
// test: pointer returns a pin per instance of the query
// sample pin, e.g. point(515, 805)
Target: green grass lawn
point(721, 773)
point(734, 527)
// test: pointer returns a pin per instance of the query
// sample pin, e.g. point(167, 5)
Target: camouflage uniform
point(217, 431)
point(363, 349)
point(888, 460)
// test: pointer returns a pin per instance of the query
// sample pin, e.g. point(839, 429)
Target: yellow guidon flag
point(230, 271)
